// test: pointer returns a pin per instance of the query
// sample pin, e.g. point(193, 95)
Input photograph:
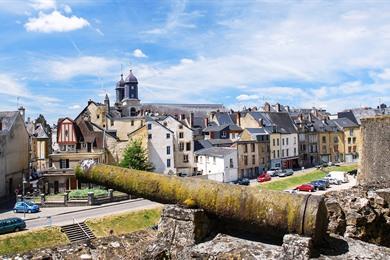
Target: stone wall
point(375, 156)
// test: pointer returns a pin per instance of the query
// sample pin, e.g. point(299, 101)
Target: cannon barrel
point(265, 211)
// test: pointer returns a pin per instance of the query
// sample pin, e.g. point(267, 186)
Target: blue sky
point(57, 54)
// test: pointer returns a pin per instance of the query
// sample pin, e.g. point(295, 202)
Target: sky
point(55, 55)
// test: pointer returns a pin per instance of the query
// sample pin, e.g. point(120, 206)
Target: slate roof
point(8, 119)
point(281, 120)
point(201, 144)
point(40, 132)
point(257, 131)
point(218, 128)
point(216, 151)
point(344, 122)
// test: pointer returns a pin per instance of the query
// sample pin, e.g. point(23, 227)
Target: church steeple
point(131, 86)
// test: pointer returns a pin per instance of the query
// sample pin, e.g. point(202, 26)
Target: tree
point(135, 157)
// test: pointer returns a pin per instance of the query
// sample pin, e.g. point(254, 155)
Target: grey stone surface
point(296, 247)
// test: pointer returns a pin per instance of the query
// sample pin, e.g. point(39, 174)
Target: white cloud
point(68, 68)
point(43, 4)
point(138, 53)
point(67, 9)
point(245, 97)
point(186, 61)
point(55, 22)
point(10, 86)
point(75, 107)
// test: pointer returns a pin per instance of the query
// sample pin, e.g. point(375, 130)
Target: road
point(56, 217)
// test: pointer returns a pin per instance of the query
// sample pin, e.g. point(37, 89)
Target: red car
point(264, 177)
point(305, 187)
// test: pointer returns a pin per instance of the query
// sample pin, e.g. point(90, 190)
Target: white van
point(338, 176)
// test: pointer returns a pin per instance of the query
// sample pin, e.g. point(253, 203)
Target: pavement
point(59, 216)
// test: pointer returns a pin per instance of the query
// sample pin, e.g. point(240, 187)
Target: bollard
point(66, 198)
point(91, 199)
point(111, 194)
point(269, 212)
point(43, 199)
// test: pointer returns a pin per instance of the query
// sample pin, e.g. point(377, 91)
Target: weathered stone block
point(296, 247)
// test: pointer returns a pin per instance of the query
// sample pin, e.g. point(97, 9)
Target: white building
point(218, 163)
point(161, 147)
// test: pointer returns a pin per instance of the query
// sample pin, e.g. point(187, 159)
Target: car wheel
point(17, 229)
point(29, 211)
point(310, 190)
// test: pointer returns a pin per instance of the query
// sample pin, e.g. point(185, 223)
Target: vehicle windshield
point(29, 203)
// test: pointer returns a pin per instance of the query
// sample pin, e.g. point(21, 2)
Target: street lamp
point(24, 183)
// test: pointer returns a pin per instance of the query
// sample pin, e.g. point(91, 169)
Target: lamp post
point(24, 183)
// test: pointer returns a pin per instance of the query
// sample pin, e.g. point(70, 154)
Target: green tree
point(135, 157)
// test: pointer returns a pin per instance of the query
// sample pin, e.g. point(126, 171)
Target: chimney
point(267, 107)
point(206, 121)
point(22, 112)
point(192, 119)
point(287, 108)
point(261, 122)
point(278, 108)
point(239, 118)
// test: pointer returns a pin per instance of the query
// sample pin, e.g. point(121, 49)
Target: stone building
point(253, 148)
point(14, 152)
point(39, 146)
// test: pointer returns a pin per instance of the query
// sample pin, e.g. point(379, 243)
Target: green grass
point(25, 241)
point(124, 223)
point(294, 181)
point(83, 194)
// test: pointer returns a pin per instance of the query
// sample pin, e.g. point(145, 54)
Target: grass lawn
point(124, 223)
point(24, 241)
point(292, 182)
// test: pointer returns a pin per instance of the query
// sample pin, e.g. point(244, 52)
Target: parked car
point(273, 172)
point(319, 185)
point(11, 225)
point(305, 187)
point(243, 181)
point(286, 172)
point(326, 181)
point(334, 181)
point(338, 175)
point(264, 177)
point(26, 206)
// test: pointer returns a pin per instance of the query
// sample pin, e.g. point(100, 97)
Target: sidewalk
point(55, 211)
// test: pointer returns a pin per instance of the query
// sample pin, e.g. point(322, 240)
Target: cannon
point(263, 211)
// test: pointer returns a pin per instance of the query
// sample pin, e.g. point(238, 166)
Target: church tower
point(127, 95)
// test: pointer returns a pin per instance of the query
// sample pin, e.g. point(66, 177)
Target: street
point(65, 215)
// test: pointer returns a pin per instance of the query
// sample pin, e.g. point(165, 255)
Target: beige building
point(14, 152)
point(253, 151)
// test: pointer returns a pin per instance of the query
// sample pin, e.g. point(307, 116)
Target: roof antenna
point(17, 102)
point(121, 69)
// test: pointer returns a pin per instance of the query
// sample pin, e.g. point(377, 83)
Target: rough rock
point(296, 247)
point(361, 212)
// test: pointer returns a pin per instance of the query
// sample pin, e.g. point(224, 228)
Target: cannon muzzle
point(262, 210)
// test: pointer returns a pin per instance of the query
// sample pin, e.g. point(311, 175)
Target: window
point(231, 165)
point(181, 135)
point(295, 151)
point(214, 160)
point(223, 134)
point(273, 154)
point(295, 140)
point(132, 87)
point(286, 141)
point(277, 141)
point(149, 126)
point(350, 132)
point(252, 147)
point(349, 149)
point(188, 146)
point(168, 150)
point(245, 160)
point(282, 142)
point(185, 158)
point(287, 152)
point(324, 149)
point(168, 163)
point(149, 136)
point(282, 152)
point(64, 163)
point(349, 140)
point(180, 126)
point(324, 139)
point(253, 159)
point(245, 148)
point(353, 140)
point(112, 122)
point(273, 142)
point(66, 133)
point(132, 123)
point(181, 146)
point(168, 135)
point(132, 96)
point(97, 116)
point(335, 140)
point(278, 154)
point(354, 149)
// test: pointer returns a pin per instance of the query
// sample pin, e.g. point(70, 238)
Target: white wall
point(157, 148)
point(290, 145)
point(218, 168)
